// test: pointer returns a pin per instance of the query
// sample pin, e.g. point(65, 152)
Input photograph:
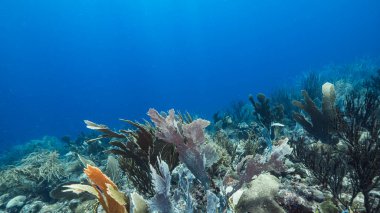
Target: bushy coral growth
point(35, 174)
point(322, 124)
point(264, 113)
point(137, 150)
point(356, 158)
point(361, 134)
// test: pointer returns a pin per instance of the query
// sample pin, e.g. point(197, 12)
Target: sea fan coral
point(161, 180)
point(251, 166)
point(186, 137)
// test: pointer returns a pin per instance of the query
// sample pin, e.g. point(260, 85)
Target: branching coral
point(266, 115)
point(251, 145)
point(326, 163)
point(356, 159)
point(283, 97)
point(361, 134)
point(221, 138)
point(36, 172)
point(323, 123)
point(318, 158)
point(262, 109)
point(41, 167)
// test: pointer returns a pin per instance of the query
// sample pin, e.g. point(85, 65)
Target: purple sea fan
point(251, 166)
point(161, 179)
point(186, 137)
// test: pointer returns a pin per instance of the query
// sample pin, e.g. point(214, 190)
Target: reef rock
point(86, 206)
point(56, 208)
point(3, 199)
point(33, 207)
point(16, 202)
point(259, 196)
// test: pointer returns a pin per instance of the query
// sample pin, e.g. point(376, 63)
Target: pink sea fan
point(251, 166)
point(186, 137)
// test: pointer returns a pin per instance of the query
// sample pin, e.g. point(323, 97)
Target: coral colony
point(314, 152)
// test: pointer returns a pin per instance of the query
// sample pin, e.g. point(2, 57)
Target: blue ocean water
point(64, 61)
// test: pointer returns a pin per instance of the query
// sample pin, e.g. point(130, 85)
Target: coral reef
point(250, 159)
